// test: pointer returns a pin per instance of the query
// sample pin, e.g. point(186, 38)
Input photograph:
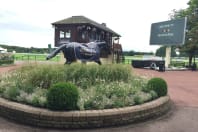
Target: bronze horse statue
point(79, 51)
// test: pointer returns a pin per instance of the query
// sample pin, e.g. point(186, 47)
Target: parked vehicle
point(151, 62)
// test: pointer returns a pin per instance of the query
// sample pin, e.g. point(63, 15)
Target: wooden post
point(113, 53)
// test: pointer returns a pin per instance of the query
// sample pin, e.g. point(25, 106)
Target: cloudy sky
point(27, 23)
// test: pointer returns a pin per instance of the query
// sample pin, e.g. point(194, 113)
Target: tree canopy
point(25, 50)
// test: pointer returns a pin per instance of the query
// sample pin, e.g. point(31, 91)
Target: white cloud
point(28, 22)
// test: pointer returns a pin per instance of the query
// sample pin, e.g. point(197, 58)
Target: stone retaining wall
point(83, 119)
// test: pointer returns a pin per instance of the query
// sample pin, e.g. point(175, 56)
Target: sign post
point(168, 56)
point(168, 33)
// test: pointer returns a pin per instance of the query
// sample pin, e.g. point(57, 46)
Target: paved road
point(183, 85)
point(183, 89)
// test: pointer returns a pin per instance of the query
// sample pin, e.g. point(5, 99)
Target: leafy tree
point(191, 44)
point(132, 53)
point(19, 49)
point(162, 51)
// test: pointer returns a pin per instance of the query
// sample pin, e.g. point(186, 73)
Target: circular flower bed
point(99, 87)
point(83, 119)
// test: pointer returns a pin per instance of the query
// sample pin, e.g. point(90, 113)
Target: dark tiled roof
point(84, 20)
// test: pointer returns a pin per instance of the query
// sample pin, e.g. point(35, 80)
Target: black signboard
point(168, 32)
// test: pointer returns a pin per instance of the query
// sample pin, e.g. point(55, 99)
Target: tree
point(131, 53)
point(162, 51)
point(191, 44)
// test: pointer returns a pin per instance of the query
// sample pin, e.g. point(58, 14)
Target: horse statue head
point(85, 52)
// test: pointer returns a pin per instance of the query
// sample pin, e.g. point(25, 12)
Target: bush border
point(83, 119)
point(2, 62)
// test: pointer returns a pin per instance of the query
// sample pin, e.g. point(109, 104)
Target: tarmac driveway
point(182, 85)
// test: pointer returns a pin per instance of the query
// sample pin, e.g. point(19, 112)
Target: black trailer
point(152, 64)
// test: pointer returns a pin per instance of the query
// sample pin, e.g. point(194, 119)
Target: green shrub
point(35, 101)
point(38, 98)
point(138, 99)
point(177, 64)
point(158, 85)
point(6, 62)
point(2, 89)
point(83, 76)
point(11, 93)
point(27, 88)
point(44, 75)
point(62, 96)
point(153, 94)
point(95, 102)
point(6, 58)
point(38, 101)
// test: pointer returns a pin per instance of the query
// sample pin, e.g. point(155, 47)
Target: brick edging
point(83, 119)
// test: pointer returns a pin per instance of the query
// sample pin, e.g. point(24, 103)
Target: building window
point(92, 36)
point(68, 34)
point(62, 34)
point(84, 35)
point(65, 34)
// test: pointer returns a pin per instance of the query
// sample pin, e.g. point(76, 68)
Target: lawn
point(174, 60)
point(128, 59)
point(33, 57)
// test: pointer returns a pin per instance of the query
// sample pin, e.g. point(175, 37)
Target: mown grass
point(100, 87)
point(33, 57)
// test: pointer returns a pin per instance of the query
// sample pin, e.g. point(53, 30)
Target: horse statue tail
point(55, 52)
